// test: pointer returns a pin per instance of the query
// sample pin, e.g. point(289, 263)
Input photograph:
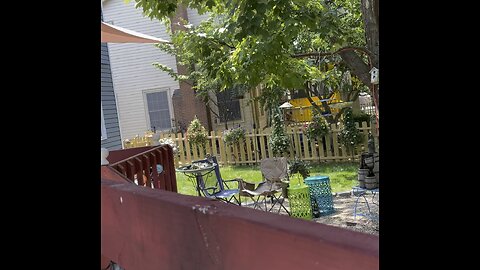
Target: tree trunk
point(353, 60)
point(370, 22)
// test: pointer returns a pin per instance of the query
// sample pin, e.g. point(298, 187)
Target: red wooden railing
point(140, 165)
point(146, 229)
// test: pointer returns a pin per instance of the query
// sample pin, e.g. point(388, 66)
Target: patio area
point(344, 205)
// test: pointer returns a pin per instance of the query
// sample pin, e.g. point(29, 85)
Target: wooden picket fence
point(256, 147)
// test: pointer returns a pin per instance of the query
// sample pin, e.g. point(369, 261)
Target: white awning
point(117, 34)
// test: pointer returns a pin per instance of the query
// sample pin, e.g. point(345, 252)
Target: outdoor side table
point(299, 200)
point(320, 193)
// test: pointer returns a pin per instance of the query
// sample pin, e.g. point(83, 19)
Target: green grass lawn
point(342, 176)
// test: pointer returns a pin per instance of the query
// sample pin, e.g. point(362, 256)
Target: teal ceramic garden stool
point(320, 194)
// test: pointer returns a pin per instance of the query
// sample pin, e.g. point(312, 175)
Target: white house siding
point(132, 69)
point(195, 18)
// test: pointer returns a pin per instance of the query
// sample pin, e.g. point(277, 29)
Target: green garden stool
point(299, 200)
point(320, 193)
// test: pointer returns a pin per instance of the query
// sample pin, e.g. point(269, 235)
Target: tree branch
point(350, 48)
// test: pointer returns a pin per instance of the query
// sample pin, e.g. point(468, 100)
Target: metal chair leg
point(356, 203)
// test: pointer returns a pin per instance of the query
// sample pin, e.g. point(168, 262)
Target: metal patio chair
point(218, 188)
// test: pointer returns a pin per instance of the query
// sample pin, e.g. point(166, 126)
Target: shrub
point(196, 133)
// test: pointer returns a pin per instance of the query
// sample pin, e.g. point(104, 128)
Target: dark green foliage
point(317, 128)
point(279, 140)
point(350, 136)
point(361, 117)
point(299, 166)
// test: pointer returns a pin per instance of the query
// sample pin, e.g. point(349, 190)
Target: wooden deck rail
point(146, 229)
point(140, 164)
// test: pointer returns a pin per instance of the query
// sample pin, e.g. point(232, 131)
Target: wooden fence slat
point(306, 150)
point(313, 146)
point(241, 148)
point(236, 154)
point(181, 149)
point(213, 141)
point(255, 145)
point(223, 153)
point(336, 152)
point(188, 150)
point(195, 152)
point(248, 141)
point(296, 140)
point(263, 152)
point(267, 135)
point(201, 150)
point(291, 149)
point(228, 149)
point(364, 129)
point(328, 150)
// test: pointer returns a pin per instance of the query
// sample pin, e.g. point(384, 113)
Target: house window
point(158, 110)
point(228, 106)
point(103, 132)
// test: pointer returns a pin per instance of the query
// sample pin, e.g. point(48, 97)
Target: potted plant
point(234, 135)
point(299, 168)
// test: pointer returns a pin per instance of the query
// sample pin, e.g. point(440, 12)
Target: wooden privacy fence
point(256, 146)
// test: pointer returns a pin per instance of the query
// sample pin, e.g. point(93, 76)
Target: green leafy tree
point(283, 44)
